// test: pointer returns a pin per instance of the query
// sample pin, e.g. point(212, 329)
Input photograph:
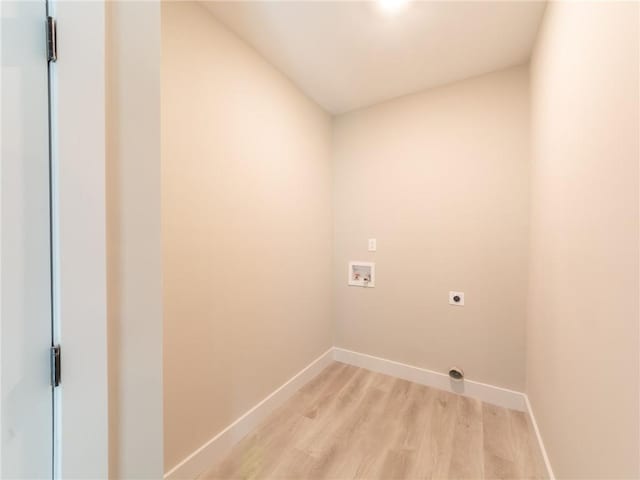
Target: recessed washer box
point(362, 274)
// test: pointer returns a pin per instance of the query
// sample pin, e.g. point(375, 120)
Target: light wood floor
point(351, 423)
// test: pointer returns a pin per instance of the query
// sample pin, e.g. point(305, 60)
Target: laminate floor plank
point(467, 458)
point(350, 423)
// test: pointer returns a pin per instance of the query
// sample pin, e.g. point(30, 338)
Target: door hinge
point(52, 40)
point(55, 365)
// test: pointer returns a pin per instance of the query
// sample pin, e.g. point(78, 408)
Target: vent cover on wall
point(456, 374)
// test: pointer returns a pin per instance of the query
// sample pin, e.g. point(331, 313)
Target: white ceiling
point(346, 55)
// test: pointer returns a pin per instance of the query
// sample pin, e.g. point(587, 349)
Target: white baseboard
point(215, 449)
point(543, 450)
point(501, 397)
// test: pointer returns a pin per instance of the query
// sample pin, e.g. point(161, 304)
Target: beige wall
point(247, 228)
point(582, 335)
point(441, 180)
point(134, 269)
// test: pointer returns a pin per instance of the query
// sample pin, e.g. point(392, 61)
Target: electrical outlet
point(456, 298)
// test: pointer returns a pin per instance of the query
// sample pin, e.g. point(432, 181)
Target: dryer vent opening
point(456, 374)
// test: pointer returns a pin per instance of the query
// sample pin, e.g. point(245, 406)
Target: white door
point(26, 400)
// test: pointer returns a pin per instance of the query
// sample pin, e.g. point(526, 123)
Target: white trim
point(501, 397)
point(543, 450)
point(79, 239)
point(214, 449)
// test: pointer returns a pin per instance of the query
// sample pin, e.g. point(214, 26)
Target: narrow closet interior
point(399, 239)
